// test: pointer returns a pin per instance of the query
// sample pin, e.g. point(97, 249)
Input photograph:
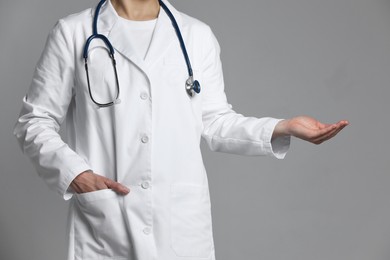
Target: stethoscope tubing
point(179, 36)
point(191, 85)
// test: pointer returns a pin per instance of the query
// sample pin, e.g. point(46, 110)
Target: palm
point(310, 129)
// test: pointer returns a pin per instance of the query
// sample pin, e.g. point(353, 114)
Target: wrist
point(281, 129)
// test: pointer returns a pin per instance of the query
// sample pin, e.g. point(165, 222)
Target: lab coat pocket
point(191, 227)
point(101, 232)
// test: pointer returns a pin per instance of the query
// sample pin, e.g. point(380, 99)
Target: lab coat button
point(144, 95)
point(145, 139)
point(147, 230)
point(145, 185)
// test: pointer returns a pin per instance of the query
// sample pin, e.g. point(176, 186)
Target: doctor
point(135, 109)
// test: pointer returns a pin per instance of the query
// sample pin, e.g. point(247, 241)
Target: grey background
point(281, 58)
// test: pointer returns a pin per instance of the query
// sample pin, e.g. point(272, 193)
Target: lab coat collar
point(164, 34)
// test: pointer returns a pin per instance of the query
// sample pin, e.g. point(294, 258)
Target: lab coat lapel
point(164, 34)
point(109, 24)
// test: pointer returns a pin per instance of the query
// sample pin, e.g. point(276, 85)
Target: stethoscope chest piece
point(192, 86)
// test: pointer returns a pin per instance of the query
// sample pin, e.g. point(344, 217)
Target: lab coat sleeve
point(44, 109)
point(224, 129)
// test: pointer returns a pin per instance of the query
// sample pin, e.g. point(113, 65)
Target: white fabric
point(150, 142)
point(139, 34)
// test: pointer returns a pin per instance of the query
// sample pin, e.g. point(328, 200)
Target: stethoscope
point(192, 86)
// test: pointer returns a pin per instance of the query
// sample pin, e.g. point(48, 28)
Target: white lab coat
point(150, 142)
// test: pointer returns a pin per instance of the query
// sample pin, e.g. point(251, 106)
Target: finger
point(86, 182)
point(322, 132)
point(333, 134)
point(75, 187)
point(101, 185)
point(344, 122)
point(329, 135)
point(339, 123)
point(328, 132)
point(116, 186)
point(322, 125)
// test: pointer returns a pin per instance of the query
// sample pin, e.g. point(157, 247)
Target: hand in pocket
point(88, 181)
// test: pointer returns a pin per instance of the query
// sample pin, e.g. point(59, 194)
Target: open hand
point(308, 129)
point(88, 181)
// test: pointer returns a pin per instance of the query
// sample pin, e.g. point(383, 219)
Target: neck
point(139, 10)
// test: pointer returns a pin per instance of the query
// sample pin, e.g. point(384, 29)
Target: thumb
point(116, 186)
